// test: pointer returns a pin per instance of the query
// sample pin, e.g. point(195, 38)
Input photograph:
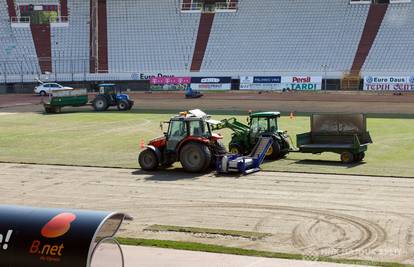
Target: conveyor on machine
point(245, 164)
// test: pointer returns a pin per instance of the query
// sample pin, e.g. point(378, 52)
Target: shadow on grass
point(176, 174)
point(313, 162)
point(169, 175)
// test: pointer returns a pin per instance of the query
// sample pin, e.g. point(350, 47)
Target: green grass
point(198, 230)
point(192, 246)
point(112, 139)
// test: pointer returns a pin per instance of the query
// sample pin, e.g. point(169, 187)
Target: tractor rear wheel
point(100, 103)
point(195, 157)
point(123, 105)
point(347, 157)
point(148, 160)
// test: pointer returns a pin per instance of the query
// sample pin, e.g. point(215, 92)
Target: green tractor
point(262, 124)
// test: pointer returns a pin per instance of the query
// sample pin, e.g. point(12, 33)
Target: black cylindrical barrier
point(38, 237)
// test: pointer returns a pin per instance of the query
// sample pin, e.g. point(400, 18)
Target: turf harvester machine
point(190, 141)
point(246, 137)
point(245, 164)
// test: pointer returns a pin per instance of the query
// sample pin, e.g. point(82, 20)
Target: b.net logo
point(4, 240)
point(56, 227)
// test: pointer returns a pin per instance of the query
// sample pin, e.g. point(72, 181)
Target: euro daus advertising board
point(389, 83)
point(303, 83)
point(211, 83)
point(47, 237)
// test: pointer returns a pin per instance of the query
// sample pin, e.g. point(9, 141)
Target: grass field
point(113, 139)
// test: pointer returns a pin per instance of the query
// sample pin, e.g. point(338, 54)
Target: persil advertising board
point(302, 83)
point(211, 83)
point(280, 83)
point(391, 83)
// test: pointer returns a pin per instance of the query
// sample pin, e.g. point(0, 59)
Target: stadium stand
point(70, 44)
point(148, 36)
point(299, 36)
point(393, 49)
point(264, 37)
point(17, 53)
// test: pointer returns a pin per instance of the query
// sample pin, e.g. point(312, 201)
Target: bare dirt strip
point(144, 256)
point(363, 102)
point(314, 214)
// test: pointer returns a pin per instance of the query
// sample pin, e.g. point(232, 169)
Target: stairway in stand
point(43, 45)
point(373, 23)
point(204, 30)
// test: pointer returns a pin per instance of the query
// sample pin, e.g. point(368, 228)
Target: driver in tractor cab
point(182, 131)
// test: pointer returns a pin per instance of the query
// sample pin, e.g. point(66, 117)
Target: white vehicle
point(48, 88)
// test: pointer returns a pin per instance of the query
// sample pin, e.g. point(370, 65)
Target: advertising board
point(211, 83)
point(300, 83)
point(169, 83)
point(388, 83)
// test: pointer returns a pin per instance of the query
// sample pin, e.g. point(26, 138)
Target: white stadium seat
point(264, 37)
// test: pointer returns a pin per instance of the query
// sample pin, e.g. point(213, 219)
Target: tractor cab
point(263, 123)
point(111, 95)
point(112, 90)
point(186, 126)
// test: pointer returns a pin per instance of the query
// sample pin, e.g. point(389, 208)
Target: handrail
point(61, 19)
point(20, 19)
point(226, 5)
point(191, 6)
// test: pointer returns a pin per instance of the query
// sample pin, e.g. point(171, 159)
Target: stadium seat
point(393, 49)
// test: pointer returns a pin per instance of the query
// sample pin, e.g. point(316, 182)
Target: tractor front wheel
point(148, 160)
point(274, 150)
point(195, 157)
point(100, 103)
point(123, 105)
point(235, 149)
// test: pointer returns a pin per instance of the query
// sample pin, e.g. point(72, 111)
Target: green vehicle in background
point(262, 124)
point(109, 95)
point(65, 98)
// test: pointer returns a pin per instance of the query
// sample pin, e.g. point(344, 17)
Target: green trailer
point(109, 96)
point(344, 134)
point(66, 98)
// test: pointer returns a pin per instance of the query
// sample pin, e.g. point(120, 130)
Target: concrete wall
point(27, 88)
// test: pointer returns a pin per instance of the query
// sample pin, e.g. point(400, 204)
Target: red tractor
point(189, 140)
